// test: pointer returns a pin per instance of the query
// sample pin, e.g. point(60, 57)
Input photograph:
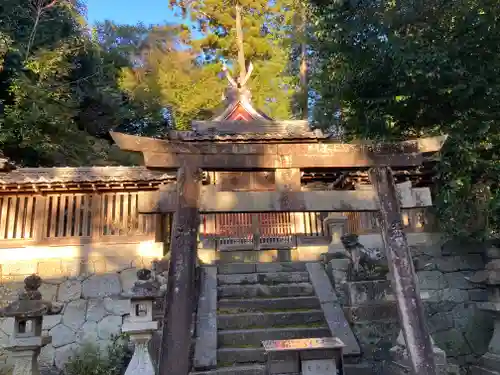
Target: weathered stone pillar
point(404, 283)
point(399, 363)
point(178, 308)
point(139, 324)
point(334, 224)
point(27, 340)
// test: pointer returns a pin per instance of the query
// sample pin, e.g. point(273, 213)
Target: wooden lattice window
point(17, 214)
point(120, 215)
point(69, 215)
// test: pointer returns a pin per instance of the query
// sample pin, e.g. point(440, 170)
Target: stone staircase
point(275, 301)
point(262, 301)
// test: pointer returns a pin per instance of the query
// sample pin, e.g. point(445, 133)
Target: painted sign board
point(303, 344)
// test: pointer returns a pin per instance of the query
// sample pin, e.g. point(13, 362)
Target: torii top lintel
point(257, 153)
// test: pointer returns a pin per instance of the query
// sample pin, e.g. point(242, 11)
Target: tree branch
point(39, 8)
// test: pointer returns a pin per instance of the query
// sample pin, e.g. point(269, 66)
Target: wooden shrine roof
point(254, 130)
point(122, 174)
point(191, 136)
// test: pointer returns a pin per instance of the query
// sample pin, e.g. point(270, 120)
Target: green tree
point(167, 75)
point(59, 91)
point(267, 30)
point(401, 72)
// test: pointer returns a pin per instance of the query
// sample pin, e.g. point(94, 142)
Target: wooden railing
point(73, 217)
point(111, 216)
point(236, 228)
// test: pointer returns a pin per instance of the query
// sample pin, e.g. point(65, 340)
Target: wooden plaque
point(303, 344)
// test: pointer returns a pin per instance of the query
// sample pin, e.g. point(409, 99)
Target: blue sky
point(130, 11)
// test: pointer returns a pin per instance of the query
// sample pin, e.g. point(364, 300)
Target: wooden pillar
point(404, 284)
point(176, 338)
point(288, 180)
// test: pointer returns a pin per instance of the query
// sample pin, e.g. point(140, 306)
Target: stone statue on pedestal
point(366, 264)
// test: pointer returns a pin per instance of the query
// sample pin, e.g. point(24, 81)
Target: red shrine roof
point(239, 121)
point(240, 109)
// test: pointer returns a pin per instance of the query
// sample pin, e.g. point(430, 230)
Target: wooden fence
point(310, 224)
point(113, 216)
point(73, 217)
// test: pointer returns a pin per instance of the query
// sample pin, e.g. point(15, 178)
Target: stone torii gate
point(250, 146)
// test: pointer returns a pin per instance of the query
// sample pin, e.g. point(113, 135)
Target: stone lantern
point(334, 224)
point(27, 340)
point(139, 323)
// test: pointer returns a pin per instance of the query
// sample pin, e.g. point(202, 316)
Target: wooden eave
point(241, 131)
point(81, 179)
point(214, 155)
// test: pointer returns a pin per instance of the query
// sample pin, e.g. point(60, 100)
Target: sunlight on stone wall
point(87, 279)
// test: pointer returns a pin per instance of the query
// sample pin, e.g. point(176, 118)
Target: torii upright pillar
point(404, 285)
point(176, 337)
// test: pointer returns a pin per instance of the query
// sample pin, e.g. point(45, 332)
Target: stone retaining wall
point(93, 307)
point(456, 324)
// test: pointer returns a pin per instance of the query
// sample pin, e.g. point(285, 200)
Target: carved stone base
point(399, 363)
point(141, 362)
point(25, 362)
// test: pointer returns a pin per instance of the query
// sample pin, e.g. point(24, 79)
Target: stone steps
point(261, 290)
point(253, 256)
point(241, 355)
point(269, 319)
point(235, 370)
point(263, 278)
point(259, 369)
point(238, 268)
point(262, 301)
point(266, 304)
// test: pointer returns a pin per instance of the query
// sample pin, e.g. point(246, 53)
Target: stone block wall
point(90, 290)
point(454, 320)
point(371, 310)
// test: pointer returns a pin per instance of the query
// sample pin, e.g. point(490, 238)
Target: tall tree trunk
point(303, 63)
point(239, 41)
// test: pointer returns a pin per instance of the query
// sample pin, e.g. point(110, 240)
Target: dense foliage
point(91, 360)
point(58, 86)
point(385, 71)
point(64, 84)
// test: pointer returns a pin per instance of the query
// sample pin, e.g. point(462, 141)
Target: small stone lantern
point(334, 224)
point(139, 323)
point(27, 340)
